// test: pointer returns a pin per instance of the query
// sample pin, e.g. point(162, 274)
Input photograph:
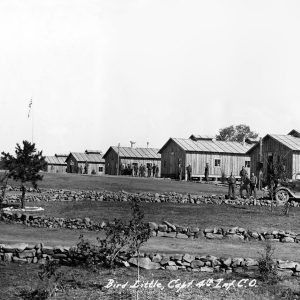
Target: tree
point(236, 133)
point(3, 182)
point(24, 166)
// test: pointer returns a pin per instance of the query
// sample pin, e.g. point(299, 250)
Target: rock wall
point(24, 253)
point(166, 229)
point(67, 195)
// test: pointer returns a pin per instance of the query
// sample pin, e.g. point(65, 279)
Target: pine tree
point(24, 166)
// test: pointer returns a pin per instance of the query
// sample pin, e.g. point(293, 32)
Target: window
point(247, 164)
point(100, 169)
point(217, 162)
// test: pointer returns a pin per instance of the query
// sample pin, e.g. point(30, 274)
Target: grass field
point(64, 237)
point(201, 215)
point(126, 183)
point(84, 284)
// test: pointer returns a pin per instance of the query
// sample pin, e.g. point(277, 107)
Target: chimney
point(147, 144)
point(132, 143)
point(260, 150)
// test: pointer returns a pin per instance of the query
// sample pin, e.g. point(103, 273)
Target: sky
point(113, 71)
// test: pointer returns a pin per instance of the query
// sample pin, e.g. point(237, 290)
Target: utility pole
point(118, 162)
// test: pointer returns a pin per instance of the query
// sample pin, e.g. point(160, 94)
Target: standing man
point(231, 189)
point(253, 183)
point(180, 169)
point(153, 170)
point(206, 172)
point(260, 179)
point(156, 171)
point(149, 168)
point(189, 172)
point(243, 174)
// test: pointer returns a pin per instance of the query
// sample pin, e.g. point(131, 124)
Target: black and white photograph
point(150, 149)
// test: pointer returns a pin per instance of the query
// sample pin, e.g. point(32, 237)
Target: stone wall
point(24, 253)
point(166, 229)
point(67, 195)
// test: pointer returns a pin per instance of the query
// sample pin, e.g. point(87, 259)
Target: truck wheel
point(282, 197)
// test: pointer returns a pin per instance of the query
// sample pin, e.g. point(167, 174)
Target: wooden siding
point(73, 166)
point(51, 168)
point(296, 163)
point(228, 163)
point(111, 162)
point(170, 160)
point(272, 146)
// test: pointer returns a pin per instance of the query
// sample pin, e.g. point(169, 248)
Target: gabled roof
point(189, 145)
point(84, 157)
point(141, 153)
point(288, 140)
point(55, 160)
point(294, 133)
point(293, 143)
point(197, 137)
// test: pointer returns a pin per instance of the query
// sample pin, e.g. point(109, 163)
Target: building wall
point(170, 157)
point(296, 163)
point(277, 150)
point(228, 163)
point(51, 168)
point(73, 166)
point(111, 162)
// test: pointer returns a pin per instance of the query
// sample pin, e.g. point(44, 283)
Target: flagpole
point(32, 126)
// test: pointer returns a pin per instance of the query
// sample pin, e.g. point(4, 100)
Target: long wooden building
point(56, 163)
point(89, 162)
point(275, 148)
point(197, 151)
point(118, 158)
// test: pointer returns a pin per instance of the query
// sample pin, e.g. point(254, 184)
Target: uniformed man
point(231, 185)
point(189, 172)
point(243, 173)
point(180, 169)
point(245, 186)
point(253, 183)
point(206, 172)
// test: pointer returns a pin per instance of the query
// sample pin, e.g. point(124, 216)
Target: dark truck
point(288, 190)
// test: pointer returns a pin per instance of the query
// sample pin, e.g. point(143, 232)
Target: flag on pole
point(30, 104)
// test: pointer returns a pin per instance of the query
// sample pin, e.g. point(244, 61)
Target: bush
point(50, 282)
point(267, 266)
point(121, 240)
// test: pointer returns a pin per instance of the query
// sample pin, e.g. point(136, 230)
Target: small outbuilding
point(56, 163)
point(132, 161)
point(274, 149)
point(89, 162)
point(220, 157)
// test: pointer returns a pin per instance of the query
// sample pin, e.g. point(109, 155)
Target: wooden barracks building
point(197, 151)
point(117, 156)
point(56, 163)
point(274, 148)
point(89, 162)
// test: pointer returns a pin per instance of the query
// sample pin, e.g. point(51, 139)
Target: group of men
point(248, 184)
point(141, 170)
